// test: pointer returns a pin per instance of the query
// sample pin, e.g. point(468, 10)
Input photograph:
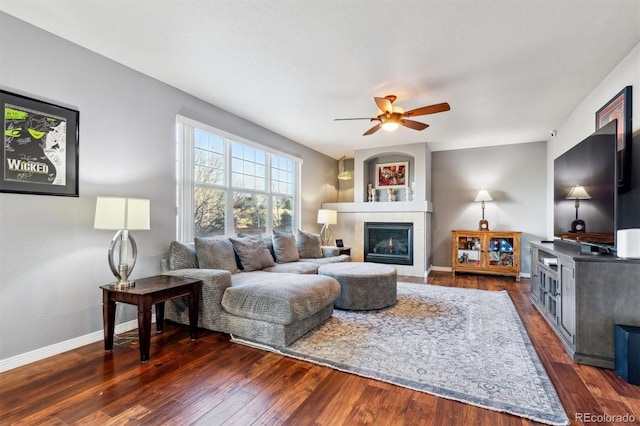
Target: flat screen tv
point(592, 165)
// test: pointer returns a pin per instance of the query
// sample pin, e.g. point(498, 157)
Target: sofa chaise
point(260, 288)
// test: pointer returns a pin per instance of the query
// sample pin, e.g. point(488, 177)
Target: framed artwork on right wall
point(619, 108)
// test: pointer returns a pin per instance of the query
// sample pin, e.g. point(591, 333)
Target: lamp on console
point(327, 217)
point(578, 193)
point(483, 196)
point(122, 215)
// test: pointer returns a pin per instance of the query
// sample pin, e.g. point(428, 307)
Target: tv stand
point(583, 297)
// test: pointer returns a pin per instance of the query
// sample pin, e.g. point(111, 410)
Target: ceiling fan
point(391, 116)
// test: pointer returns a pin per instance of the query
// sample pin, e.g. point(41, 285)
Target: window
point(226, 185)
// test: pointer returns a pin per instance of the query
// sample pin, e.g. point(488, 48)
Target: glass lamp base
point(326, 237)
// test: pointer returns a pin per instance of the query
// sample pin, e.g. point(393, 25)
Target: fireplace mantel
point(352, 216)
point(381, 207)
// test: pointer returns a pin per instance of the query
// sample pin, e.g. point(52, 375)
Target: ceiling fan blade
point(431, 109)
point(362, 118)
point(415, 125)
point(384, 104)
point(372, 130)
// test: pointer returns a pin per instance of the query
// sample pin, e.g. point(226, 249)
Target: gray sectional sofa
point(261, 288)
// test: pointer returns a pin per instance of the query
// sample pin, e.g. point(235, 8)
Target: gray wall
point(514, 175)
point(52, 261)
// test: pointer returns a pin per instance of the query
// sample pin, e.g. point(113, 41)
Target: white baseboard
point(58, 348)
point(441, 268)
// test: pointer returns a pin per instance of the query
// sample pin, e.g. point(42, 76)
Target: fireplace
point(388, 242)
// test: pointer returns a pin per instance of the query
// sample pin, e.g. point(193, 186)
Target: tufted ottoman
point(364, 286)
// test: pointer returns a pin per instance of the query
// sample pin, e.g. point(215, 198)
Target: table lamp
point(578, 193)
point(123, 215)
point(327, 217)
point(483, 196)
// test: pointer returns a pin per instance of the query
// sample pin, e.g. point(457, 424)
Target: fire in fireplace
point(388, 242)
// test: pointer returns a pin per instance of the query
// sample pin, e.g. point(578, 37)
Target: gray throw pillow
point(253, 252)
point(182, 256)
point(284, 247)
point(268, 240)
point(216, 253)
point(308, 245)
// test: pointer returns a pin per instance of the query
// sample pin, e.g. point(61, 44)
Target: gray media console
point(583, 296)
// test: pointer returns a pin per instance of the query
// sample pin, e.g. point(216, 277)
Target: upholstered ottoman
point(276, 308)
point(364, 286)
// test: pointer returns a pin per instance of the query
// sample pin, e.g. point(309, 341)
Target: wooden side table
point(344, 250)
point(147, 292)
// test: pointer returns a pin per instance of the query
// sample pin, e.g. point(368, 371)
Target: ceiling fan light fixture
point(390, 126)
point(390, 117)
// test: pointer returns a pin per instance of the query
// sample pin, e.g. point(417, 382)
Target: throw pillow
point(253, 252)
point(216, 253)
point(182, 256)
point(308, 245)
point(268, 240)
point(284, 247)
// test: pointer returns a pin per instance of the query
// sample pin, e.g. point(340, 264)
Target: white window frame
point(185, 181)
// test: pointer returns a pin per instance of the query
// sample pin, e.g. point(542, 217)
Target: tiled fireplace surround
point(353, 215)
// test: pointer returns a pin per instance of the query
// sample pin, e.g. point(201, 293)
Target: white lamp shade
point(114, 213)
point(110, 213)
point(483, 195)
point(138, 214)
point(578, 193)
point(326, 216)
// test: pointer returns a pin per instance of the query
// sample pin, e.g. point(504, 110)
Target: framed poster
point(40, 153)
point(619, 108)
point(392, 175)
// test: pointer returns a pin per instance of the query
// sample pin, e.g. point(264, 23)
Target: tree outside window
point(225, 186)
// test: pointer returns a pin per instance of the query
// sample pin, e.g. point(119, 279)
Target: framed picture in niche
point(40, 152)
point(392, 175)
point(339, 243)
point(619, 108)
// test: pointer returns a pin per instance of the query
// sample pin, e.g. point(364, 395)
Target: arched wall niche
point(417, 155)
point(370, 172)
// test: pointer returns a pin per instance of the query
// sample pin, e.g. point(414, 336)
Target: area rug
point(462, 344)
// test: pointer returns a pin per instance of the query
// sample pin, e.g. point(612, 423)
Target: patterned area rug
point(461, 344)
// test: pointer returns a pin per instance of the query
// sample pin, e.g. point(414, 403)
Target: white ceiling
point(512, 70)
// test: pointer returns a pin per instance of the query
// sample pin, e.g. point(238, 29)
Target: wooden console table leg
point(160, 317)
point(194, 305)
point(108, 319)
point(144, 327)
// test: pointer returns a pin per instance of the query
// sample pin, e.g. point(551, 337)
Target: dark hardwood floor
point(212, 381)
